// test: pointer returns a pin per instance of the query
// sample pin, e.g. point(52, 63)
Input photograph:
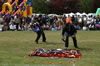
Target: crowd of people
point(20, 23)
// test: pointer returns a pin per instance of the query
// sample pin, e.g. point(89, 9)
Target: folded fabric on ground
point(56, 53)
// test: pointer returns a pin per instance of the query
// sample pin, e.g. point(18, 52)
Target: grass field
point(15, 45)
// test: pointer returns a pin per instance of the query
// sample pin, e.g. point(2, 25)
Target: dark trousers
point(74, 41)
point(39, 35)
point(17, 26)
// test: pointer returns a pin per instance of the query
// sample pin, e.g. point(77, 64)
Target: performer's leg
point(67, 41)
point(17, 26)
point(43, 37)
point(75, 42)
point(38, 36)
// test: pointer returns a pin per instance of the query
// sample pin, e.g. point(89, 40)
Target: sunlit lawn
point(15, 45)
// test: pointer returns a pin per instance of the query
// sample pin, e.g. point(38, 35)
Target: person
point(17, 21)
point(68, 20)
point(1, 19)
point(70, 31)
point(1, 26)
point(39, 31)
point(7, 21)
point(73, 19)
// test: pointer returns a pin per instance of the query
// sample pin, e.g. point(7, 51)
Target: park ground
point(14, 46)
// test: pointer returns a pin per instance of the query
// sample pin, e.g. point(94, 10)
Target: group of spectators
point(20, 23)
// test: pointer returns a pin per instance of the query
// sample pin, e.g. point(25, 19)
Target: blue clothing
point(37, 29)
point(67, 34)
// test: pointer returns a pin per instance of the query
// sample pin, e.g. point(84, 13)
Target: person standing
point(8, 21)
point(1, 19)
point(39, 31)
point(17, 21)
point(69, 31)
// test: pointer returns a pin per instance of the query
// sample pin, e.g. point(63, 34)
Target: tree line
point(63, 6)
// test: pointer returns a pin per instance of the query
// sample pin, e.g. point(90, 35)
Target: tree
point(96, 4)
point(63, 6)
point(86, 6)
point(40, 6)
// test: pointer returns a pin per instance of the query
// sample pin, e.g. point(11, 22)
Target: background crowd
point(53, 22)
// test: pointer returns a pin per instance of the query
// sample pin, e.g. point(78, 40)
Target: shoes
point(36, 42)
point(66, 48)
point(77, 47)
point(44, 41)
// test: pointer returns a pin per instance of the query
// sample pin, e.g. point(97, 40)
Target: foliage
point(40, 6)
point(86, 6)
point(96, 5)
point(63, 6)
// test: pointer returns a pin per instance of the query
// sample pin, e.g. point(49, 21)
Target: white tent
point(78, 13)
point(93, 14)
point(84, 13)
point(71, 14)
point(66, 15)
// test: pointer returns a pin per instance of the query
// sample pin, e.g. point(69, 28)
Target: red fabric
point(28, 10)
point(22, 14)
point(93, 21)
point(65, 54)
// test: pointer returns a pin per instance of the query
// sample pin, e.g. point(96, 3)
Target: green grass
point(15, 45)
